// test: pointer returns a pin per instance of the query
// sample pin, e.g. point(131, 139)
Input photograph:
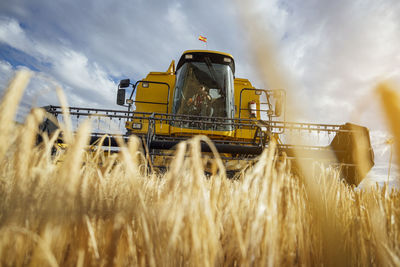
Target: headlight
point(136, 126)
point(132, 125)
point(227, 59)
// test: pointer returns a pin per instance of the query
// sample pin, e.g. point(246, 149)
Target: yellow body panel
point(155, 93)
point(247, 96)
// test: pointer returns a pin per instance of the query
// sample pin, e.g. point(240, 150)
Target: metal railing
point(237, 123)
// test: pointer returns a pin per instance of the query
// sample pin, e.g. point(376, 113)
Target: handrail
point(267, 94)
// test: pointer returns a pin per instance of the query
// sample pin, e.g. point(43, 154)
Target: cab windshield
point(204, 90)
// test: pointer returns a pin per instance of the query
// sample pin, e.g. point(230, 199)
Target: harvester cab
point(201, 95)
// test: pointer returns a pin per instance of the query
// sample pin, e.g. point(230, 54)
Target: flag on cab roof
point(202, 38)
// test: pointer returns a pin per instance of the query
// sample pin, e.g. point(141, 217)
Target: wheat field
point(87, 208)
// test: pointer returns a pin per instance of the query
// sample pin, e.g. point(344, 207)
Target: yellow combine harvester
point(202, 96)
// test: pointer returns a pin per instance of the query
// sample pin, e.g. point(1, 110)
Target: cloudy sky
point(330, 54)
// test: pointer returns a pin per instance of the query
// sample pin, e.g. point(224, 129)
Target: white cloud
point(74, 68)
point(354, 45)
point(12, 34)
point(178, 20)
point(6, 71)
point(333, 53)
point(86, 82)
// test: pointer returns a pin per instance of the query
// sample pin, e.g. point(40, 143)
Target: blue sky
point(329, 54)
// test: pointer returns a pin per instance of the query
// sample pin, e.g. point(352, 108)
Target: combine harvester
point(202, 96)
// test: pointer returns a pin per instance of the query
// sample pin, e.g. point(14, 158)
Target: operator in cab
point(200, 103)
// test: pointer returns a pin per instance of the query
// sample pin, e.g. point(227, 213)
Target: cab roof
point(199, 55)
point(207, 51)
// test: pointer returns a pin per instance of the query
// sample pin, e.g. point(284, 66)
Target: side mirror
point(124, 83)
point(121, 97)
